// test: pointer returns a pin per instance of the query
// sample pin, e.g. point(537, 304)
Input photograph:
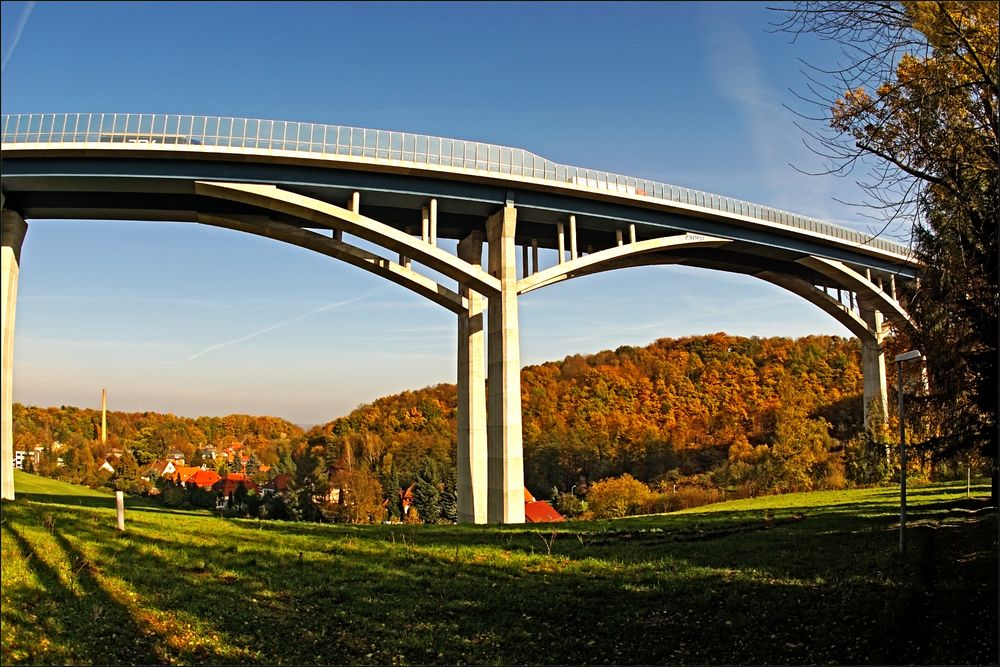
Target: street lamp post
point(900, 359)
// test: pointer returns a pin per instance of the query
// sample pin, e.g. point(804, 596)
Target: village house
point(203, 479)
point(182, 474)
point(406, 499)
point(227, 486)
point(278, 484)
point(158, 469)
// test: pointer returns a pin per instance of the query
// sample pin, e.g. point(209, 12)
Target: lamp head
point(908, 356)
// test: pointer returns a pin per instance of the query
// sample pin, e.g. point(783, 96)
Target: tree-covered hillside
point(673, 408)
point(73, 434)
point(677, 423)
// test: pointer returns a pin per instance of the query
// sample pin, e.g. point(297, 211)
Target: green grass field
point(804, 578)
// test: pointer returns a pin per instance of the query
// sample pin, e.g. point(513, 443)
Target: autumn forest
point(693, 419)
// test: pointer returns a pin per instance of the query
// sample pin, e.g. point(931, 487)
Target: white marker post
point(120, 506)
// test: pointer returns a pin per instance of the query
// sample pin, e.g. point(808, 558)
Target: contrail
point(275, 326)
point(17, 34)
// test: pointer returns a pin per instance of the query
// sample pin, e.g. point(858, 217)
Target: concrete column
point(404, 261)
point(524, 262)
point(472, 449)
point(631, 233)
point(572, 237)
point(561, 233)
point(434, 221)
point(12, 231)
point(425, 224)
point(873, 367)
point(534, 256)
point(353, 205)
point(505, 502)
point(618, 236)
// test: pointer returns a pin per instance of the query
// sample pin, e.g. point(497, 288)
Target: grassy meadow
point(800, 578)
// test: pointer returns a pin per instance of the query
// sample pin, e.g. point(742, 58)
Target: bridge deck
point(542, 185)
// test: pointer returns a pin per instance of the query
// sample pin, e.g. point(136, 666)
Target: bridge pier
point(873, 367)
point(505, 469)
point(472, 448)
point(12, 231)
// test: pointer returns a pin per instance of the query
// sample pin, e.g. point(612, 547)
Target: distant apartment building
point(22, 457)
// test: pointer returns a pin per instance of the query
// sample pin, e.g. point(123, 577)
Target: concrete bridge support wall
point(472, 450)
point(505, 501)
point(12, 231)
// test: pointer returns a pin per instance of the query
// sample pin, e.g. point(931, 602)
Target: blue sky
point(180, 318)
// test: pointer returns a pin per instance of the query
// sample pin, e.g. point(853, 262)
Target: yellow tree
point(916, 102)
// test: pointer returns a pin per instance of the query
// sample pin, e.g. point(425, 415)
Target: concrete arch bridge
point(316, 186)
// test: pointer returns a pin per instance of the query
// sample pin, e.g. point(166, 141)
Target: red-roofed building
point(277, 485)
point(228, 484)
point(540, 511)
point(183, 473)
point(204, 479)
point(406, 498)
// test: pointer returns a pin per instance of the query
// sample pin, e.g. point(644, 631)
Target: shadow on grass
point(132, 503)
point(368, 600)
point(85, 624)
point(824, 588)
point(74, 500)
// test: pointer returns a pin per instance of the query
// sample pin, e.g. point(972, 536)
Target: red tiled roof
point(528, 498)
point(540, 511)
point(280, 482)
point(228, 484)
point(183, 473)
point(204, 478)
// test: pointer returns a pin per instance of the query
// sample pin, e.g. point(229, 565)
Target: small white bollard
point(120, 506)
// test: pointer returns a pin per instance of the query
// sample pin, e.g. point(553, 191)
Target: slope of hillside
point(814, 578)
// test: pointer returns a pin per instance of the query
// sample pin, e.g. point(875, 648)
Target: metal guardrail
point(401, 147)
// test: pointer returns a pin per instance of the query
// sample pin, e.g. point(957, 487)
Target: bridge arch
point(863, 315)
point(282, 180)
point(467, 305)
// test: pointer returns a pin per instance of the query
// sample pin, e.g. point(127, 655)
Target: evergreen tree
point(126, 477)
point(426, 493)
point(285, 464)
point(252, 466)
point(449, 496)
point(311, 482)
point(390, 492)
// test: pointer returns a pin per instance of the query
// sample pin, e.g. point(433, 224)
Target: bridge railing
point(404, 147)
